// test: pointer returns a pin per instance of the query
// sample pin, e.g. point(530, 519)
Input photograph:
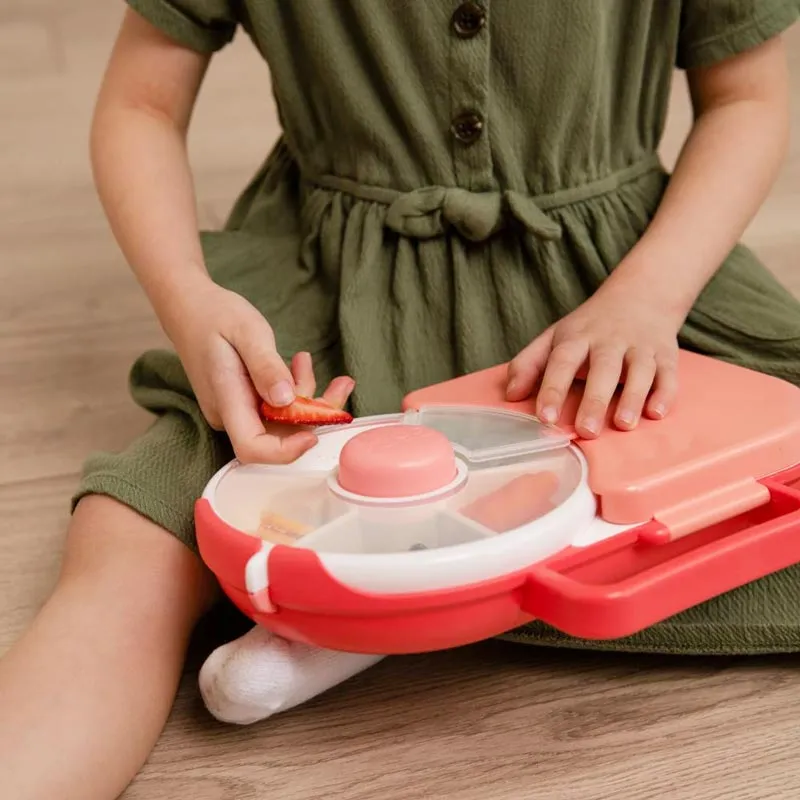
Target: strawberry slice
point(305, 411)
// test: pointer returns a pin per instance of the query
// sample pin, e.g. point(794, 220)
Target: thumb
point(527, 368)
point(254, 341)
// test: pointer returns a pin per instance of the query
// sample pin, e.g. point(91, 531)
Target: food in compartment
point(291, 513)
point(519, 502)
point(280, 530)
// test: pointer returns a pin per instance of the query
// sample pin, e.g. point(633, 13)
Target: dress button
point(467, 127)
point(468, 19)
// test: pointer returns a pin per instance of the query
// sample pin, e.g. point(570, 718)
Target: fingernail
point(549, 414)
point(281, 394)
point(659, 411)
point(591, 425)
point(626, 417)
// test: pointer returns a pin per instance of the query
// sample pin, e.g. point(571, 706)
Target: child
point(457, 185)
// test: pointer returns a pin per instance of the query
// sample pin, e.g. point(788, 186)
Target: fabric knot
point(428, 212)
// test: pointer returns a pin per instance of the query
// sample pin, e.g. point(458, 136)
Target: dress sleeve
point(202, 25)
point(713, 30)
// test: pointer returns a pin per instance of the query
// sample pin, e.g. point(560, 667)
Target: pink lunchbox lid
point(730, 428)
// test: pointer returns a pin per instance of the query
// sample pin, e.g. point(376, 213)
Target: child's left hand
point(616, 337)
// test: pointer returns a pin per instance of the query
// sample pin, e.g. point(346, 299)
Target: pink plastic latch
point(705, 510)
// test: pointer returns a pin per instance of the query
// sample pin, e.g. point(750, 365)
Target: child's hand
point(615, 337)
point(228, 351)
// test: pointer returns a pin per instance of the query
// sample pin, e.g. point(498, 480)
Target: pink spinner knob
point(397, 461)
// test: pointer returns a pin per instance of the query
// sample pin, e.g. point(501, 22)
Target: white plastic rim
point(456, 565)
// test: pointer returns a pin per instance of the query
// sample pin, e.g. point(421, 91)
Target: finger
point(211, 415)
point(303, 372)
point(338, 392)
point(527, 368)
point(563, 364)
point(602, 380)
point(238, 405)
point(665, 388)
point(254, 341)
point(641, 373)
point(282, 446)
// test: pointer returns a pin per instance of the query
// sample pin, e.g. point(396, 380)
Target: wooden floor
point(488, 723)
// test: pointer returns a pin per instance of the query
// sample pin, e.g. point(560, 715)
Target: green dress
point(453, 178)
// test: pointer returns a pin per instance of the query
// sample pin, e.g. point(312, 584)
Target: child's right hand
point(228, 351)
point(143, 178)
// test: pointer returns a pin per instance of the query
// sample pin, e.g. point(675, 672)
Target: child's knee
point(128, 560)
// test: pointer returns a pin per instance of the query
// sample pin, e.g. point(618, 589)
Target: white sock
point(261, 674)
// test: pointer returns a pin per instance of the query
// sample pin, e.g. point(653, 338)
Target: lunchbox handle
point(623, 585)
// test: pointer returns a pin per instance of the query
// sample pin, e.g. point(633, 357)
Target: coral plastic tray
point(463, 516)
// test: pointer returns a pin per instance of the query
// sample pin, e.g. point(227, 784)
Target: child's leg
point(85, 693)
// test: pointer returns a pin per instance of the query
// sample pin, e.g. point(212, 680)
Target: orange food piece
point(518, 502)
point(280, 530)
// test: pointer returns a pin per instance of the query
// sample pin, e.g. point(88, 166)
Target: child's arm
point(143, 178)
point(726, 168)
point(141, 168)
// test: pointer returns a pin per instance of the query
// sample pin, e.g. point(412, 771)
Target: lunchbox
point(463, 516)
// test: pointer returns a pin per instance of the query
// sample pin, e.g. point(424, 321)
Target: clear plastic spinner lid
point(486, 434)
point(460, 494)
